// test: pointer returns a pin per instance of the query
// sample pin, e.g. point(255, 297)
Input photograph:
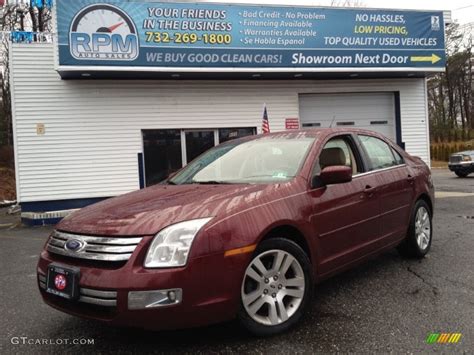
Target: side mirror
point(337, 174)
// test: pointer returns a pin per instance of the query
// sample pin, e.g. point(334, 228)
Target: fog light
point(172, 296)
point(153, 299)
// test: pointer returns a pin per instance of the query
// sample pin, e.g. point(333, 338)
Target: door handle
point(369, 190)
point(410, 179)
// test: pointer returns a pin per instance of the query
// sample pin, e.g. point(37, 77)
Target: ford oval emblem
point(74, 245)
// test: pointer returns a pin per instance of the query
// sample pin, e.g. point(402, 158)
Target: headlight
point(466, 158)
point(171, 246)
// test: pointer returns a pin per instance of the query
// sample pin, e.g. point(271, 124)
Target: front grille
point(455, 158)
point(93, 248)
point(100, 298)
point(89, 295)
point(42, 281)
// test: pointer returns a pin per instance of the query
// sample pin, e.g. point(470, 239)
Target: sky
point(462, 10)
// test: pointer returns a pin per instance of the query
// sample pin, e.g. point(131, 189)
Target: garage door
point(373, 111)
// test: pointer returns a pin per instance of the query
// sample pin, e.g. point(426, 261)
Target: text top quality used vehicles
point(242, 231)
point(462, 163)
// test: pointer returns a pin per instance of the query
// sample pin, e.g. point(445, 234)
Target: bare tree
point(450, 97)
point(18, 15)
point(40, 19)
point(347, 3)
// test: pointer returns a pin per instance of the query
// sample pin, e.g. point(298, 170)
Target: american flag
point(265, 124)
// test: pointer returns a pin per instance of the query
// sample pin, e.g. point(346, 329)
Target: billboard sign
point(205, 36)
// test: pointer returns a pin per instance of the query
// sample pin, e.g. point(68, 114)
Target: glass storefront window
point(163, 156)
point(227, 134)
point(197, 142)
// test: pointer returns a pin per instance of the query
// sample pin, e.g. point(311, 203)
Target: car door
point(345, 218)
point(395, 183)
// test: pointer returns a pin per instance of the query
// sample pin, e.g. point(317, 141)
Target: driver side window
point(338, 151)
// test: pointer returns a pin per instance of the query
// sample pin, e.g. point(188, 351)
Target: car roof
point(317, 132)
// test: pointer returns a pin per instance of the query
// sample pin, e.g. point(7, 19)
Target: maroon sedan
point(245, 230)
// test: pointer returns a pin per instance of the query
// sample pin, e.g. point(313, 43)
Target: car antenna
point(333, 118)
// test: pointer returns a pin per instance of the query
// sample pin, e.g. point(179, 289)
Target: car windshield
point(264, 160)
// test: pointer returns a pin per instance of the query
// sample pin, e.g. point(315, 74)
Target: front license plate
point(63, 281)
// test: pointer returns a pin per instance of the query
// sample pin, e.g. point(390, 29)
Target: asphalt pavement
point(388, 304)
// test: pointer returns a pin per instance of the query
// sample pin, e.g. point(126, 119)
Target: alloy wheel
point(273, 287)
point(422, 228)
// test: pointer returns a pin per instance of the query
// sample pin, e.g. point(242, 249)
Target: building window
point(227, 134)
point(197, 142)
point(306, 125)
point(378, 122)
point(163, 156)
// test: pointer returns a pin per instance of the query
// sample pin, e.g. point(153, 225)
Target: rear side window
point(398, 158)
point(379, 153)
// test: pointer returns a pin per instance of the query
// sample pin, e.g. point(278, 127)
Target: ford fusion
point(244, 231)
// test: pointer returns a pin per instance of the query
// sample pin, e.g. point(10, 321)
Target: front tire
point(420, 232)
point(277, 287)
point(461, 175)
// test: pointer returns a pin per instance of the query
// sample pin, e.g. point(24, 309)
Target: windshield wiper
point(211, 182)
point(276, 177)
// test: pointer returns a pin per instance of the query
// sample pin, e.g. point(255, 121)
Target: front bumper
point(462, 167)
point(210, 291)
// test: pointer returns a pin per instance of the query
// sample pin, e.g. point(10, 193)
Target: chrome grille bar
point(98, 240)
point(455, 158)
point(89, 295)
point(98, 297)
point(93, 248)
point(42, 281)
point(98, 301)
point(96, 293)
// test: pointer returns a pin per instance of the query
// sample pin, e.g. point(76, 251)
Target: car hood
point(466, 152)
point(146, 212)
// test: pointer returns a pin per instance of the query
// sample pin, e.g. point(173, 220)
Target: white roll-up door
point(373, 111)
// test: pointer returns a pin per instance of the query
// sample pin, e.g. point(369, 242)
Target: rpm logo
point(103, 32)
point(60, 282)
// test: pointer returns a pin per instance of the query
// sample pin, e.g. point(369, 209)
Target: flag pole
point(265, 121)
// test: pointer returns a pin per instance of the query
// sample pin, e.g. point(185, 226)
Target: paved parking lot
point(386, 305)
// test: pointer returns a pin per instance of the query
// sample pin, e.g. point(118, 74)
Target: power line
point(463, 7)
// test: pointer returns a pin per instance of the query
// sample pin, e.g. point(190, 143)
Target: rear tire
point(420, 232)
point(461, 175)
point(276, 288)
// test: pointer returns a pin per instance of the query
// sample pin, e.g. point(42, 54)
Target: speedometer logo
point(103, 32)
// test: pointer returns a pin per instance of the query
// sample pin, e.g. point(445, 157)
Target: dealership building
point(130, 91)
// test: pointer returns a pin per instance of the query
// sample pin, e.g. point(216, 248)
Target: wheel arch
point(292, 233)
point(425, 197)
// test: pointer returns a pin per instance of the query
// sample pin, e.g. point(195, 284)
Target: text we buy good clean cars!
point(245, 230)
